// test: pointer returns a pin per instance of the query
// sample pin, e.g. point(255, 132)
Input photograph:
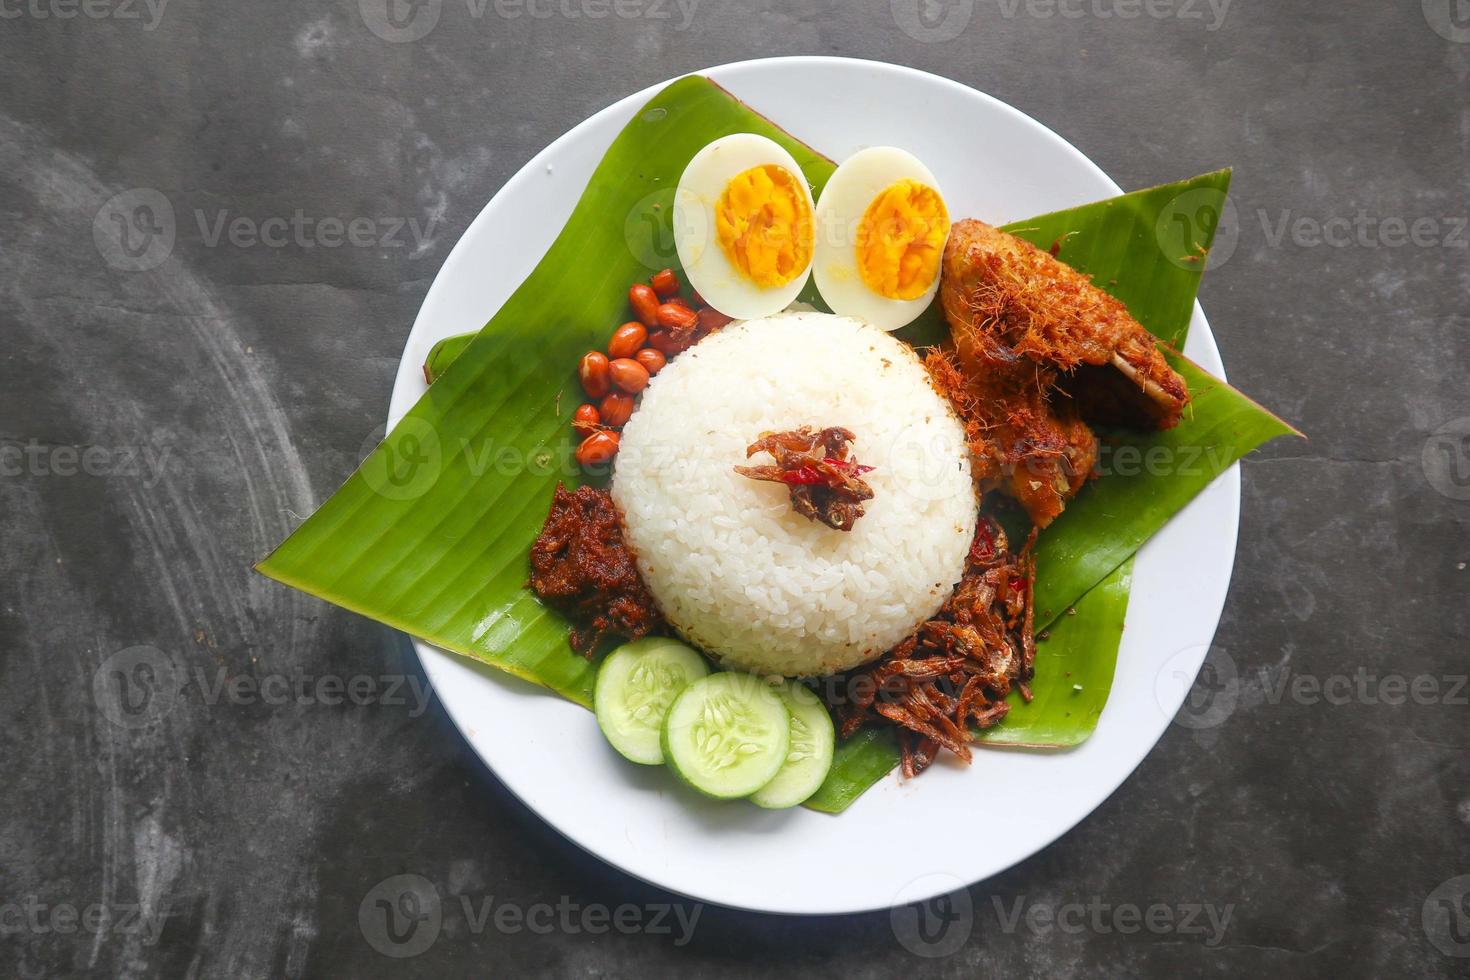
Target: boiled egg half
point(744, 226)
point(881, 228)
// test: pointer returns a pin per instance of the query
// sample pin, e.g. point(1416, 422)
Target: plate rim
point(409, 386)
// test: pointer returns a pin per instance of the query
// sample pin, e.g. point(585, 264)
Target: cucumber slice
point(635, 686)
point(813, 741)
point(727, 735)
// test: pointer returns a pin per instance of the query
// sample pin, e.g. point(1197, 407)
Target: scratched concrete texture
point(169, 411)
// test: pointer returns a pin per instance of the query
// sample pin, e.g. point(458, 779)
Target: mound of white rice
point(734, 568)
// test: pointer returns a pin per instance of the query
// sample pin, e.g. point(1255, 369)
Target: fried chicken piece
point(1020, 444)
point(1004, 296)
point(1040, 352)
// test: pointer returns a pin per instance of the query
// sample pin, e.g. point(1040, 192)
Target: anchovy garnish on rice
point(825, 485)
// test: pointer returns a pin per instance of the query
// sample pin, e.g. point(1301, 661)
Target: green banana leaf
point(858, 763)
point(442, 354)
point(1074, 671)
point(1147, 248)
point(431, 534)
point(1148, 478)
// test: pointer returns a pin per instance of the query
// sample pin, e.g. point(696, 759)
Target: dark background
point(161, 429)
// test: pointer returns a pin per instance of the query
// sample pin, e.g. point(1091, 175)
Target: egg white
point(706, 266)
point(845, 199)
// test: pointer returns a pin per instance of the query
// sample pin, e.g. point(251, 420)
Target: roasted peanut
point(616, 409)
point(586, 419)
point(652, 361)
point(593, 372)
point(665, 283)
point(677, 318)
point(598, 448)
point(628, 375)
point(645, 304)
point(627, 339)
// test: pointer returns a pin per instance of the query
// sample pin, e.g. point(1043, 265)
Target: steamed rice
point(731, 565)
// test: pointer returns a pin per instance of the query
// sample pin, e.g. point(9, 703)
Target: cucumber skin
point(673, 766)
point(793, 703)
point(637, 648)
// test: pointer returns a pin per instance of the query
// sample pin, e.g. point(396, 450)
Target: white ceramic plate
point(994, 163)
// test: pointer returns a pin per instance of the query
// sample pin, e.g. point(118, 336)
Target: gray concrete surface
point(161, 429)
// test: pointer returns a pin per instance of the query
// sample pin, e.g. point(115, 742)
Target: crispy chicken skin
point(1042, 352)
point(1020, 444)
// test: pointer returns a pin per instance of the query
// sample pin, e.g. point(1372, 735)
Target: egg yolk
point(764, 223)
point(900, 238)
